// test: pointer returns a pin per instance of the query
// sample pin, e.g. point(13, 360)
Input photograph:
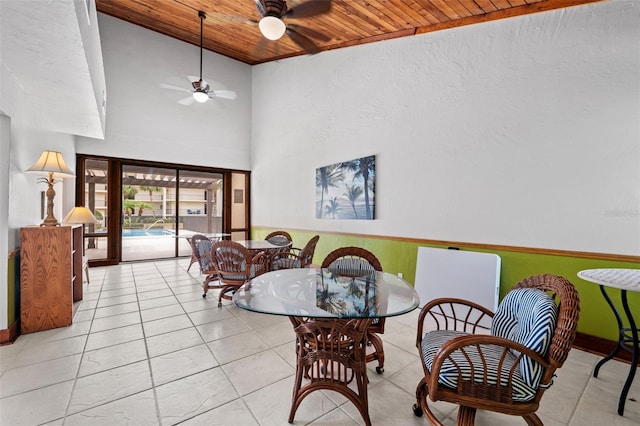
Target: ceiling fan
point(201, 91)
point(272, 25)
point(272, 13)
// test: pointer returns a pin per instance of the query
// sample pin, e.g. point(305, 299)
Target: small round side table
point(625, 280)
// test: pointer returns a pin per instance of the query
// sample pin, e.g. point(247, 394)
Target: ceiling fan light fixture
point(272, 27)
point(200, 96)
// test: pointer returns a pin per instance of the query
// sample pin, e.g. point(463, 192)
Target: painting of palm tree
point(346, 190)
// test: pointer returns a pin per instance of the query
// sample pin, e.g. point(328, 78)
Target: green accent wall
point(596, 318)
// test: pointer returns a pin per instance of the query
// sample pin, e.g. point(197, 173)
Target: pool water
point(147, 233)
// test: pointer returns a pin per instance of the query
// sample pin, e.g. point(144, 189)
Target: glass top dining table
point(330, 313)
point(323, 293)
point(261, 245)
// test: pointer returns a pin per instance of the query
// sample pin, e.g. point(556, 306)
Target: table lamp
point(51, 164)
point(80, 215)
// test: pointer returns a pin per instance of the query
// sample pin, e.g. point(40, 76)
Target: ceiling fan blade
point(187, 101)
point(261, 46)
point(316, 35)
point(260, 7)
point(172, 87)
point(309, 8)
point(303, 41)
point(225, 94)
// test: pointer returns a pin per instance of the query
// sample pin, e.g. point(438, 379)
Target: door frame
point(114, 198)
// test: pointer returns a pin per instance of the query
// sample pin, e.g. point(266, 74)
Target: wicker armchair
point(502, 361)
point(294, 257)
point(201, 251)
point(353, 261)
point(195, 253)
point(235, 265)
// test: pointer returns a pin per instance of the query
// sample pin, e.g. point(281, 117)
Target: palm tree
point(141, 205)
point(363, 167)
point(353, 193)
point(128, 207)
point(326, 177)
point(129, 192)
point(332, 207)
point(151, 190)
point(353, 290)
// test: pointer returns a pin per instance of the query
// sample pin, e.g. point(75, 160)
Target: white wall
point(22, 143)
point(25, 141)
point(46, 93)
point(5, 135)
point(144, 121)
point(522, 132)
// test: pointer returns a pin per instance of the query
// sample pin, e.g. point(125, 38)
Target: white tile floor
point(145, 349)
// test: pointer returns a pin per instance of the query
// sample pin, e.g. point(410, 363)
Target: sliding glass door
point(148, 214)
point(146, 210)
point(199, 205)
point(95, 195)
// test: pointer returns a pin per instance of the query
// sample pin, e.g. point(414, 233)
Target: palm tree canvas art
point(346, 190)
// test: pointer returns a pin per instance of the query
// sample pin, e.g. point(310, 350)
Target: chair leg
point(194, 259)
point(532, 420)
point(206, 286)
point(466, 416)
point(223, 293)
point(421, 393)
point(376, 341)
point(421, 407)
point(85, 262)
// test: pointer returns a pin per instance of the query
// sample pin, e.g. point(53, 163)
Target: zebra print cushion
point(432, 342)
point(527, 316)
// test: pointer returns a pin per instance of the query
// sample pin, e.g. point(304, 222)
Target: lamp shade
point(200, 96)
point(51, 162)
point(80, 215)
point(271, 27)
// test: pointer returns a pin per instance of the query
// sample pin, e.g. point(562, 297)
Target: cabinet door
point(45, 278)
point(76, 261)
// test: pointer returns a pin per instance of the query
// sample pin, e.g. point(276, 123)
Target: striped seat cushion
point(448, 376)
point(240, 276)
point(527, 316)
point(204, 247)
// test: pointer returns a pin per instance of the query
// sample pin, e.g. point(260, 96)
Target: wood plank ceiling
point(231, 26)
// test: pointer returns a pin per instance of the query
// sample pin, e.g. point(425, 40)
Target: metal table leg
point(626, 336)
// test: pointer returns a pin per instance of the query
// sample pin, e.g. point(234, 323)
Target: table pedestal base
point(331, 354)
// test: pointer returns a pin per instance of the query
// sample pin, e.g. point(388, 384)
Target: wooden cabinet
point(50, 276)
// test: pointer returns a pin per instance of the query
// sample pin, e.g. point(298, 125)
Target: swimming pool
point(147, 233)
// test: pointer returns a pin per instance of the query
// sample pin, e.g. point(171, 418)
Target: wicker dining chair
point(235, 265)
point(503, 361)
point(195, 255)
point(280, 238)
point(294, 257)
point(354, 261)
point(201, 251)
point(329, 355)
